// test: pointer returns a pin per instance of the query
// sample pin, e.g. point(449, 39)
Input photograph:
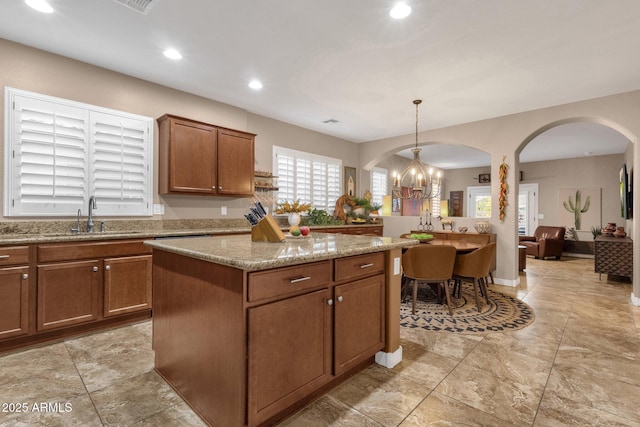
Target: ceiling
point(349, 61)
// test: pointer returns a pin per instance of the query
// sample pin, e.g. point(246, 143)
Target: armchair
point(547, 241)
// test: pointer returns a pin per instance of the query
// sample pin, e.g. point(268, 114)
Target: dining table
point(461, 246)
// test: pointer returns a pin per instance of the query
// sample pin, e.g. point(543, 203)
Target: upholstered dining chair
point(474, 267)
point(429, 264)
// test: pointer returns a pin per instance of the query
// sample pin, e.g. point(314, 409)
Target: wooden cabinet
point(262, 342)
point(85, 282)
point(295, 342)
point(359, 322)
point(68, 294)
point(127, 284)
point(14, 291)
point(614, 255)
point(200, 158)
point(289, 352)
point(353, 229)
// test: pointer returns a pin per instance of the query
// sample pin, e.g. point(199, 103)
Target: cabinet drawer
point(288, 280)
point(14, 255)
point(359, 266)
point(73, 251)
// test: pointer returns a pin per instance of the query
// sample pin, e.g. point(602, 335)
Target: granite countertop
point(240, 252)
point(27, 238)
point(138, 231)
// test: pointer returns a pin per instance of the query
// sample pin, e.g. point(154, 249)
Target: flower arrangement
point(295, 207)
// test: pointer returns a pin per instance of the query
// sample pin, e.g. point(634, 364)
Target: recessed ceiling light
point(400, 10)
point(255, 84)
point(39, 5)
point(172, 54)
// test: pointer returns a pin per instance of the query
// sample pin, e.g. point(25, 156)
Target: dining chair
point(429, 264)
point(474, 267)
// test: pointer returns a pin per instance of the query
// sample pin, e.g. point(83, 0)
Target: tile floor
point(578, 364)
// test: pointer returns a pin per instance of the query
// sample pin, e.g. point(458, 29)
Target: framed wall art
point(484, 178)
point(350, 181)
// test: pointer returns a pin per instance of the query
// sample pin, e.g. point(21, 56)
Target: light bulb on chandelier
point(416, 181)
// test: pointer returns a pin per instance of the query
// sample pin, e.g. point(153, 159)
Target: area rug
point(502, 314)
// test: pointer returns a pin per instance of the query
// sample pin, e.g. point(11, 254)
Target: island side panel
point(393, 258)
point(198, 335)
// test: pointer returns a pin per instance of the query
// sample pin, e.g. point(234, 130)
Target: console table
point(614, 255)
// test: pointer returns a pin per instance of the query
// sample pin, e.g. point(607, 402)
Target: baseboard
point(389, 360)
point(504, 282)
point(635, 300)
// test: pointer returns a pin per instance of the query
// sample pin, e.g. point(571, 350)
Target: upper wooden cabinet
point(200, 158)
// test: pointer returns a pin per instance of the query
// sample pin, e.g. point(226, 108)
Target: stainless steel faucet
point(92, 206)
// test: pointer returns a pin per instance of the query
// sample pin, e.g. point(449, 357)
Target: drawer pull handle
point(4, 256)
point(367, 265)
point(330, 302)
point(339, 298)
point(25, 276)
point(299, 279)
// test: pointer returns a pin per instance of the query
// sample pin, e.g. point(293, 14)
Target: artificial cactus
point(576, 208)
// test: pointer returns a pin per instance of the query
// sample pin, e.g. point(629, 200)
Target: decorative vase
point(482, 227)
point(620, 232)
point(293, 219)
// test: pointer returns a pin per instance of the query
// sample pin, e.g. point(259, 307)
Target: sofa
point(547, 241)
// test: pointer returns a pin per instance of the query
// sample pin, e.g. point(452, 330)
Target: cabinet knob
point(220, 188)
point(95, 268)
point(330, 301)
point(339, 298)
point(108, 267)
point(25, 276)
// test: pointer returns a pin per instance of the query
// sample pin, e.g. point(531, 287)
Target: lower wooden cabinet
point(127, 284)
point(289, 352)
point(297, 344)
point(359, 322)
point(14, 301)
point(68, 294)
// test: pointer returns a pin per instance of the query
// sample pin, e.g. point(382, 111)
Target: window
point(479, 205)
point(59, 153)
point(378, 185)
point(309, 177)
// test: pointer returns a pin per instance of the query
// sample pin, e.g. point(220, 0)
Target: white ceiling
point(349, 61)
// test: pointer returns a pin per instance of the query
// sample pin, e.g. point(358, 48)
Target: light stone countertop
point(240, 252)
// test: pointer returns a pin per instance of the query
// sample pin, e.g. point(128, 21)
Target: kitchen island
point(249, 332)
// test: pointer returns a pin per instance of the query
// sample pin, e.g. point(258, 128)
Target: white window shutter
point(309, 177)
point(121, 180)
point(48, 158)
point(59, 152)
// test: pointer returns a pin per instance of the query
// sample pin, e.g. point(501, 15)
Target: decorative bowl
point(483, 227)
point(462, 229)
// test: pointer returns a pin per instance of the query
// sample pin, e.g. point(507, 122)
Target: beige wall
point(584, 172)
point(38, 71)
point(504, 138)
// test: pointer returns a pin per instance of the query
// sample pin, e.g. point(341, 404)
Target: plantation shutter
point(49, 158)
point(120, 180)
point(308, 177)
point(61, 152)
point(378, 185)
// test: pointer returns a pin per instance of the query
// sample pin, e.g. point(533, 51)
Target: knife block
point(267, 230)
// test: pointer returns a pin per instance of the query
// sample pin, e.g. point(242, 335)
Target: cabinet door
point(14, 301)
point(235, 163)
point(289, 352)
point(67, 294)
point(192, 157)
point(359, 322)
point(127, 284)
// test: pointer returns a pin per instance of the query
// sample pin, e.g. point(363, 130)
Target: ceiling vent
point(142, 6)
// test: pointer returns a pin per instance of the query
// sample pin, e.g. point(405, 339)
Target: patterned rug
point(502, 314)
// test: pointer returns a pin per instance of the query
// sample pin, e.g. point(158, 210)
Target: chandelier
point(416, 181)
